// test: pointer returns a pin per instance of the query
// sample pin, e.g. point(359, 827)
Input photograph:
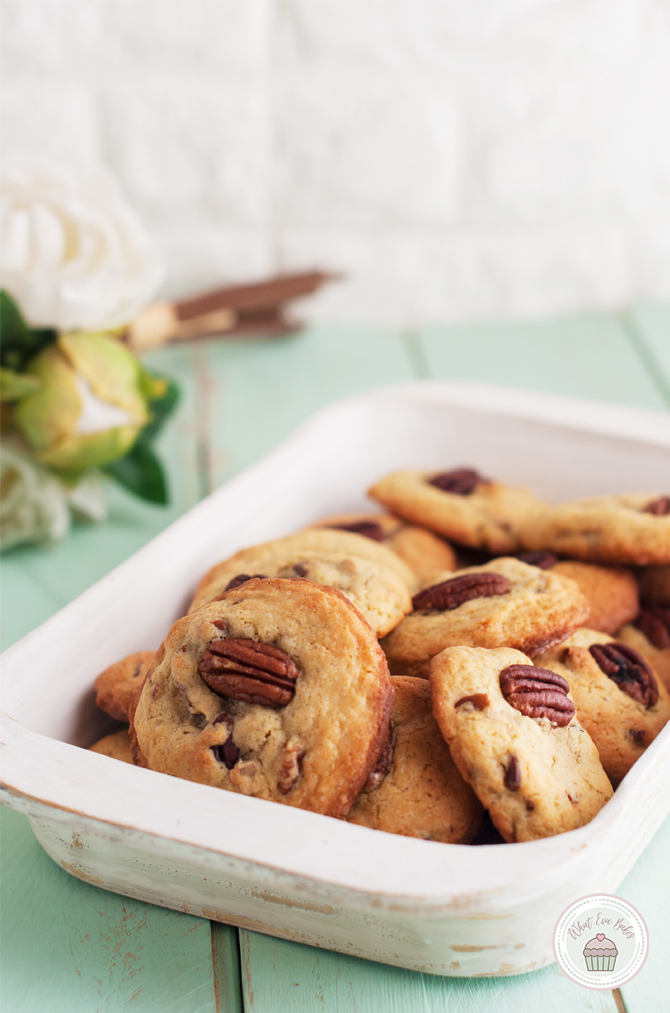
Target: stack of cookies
point(472, 666)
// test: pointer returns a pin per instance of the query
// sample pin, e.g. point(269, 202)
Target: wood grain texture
point(72, 948)
point(647, 887)
point(589, 356)
point(280, 975)
point(37, 581)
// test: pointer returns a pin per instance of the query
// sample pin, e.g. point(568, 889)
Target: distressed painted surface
point(281, 975)
point(81, 949)
point(71, 948)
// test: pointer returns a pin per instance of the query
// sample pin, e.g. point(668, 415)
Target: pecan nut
point(369, 529)
point(474, 702)
point(449, 594)
point(460, 482)
point(658, 507)
point(541, 558)
point(512, 778)
point(654, 622)
point(290, 766)
point(249, 671)
point(227, 752)
point(242, 578)
point(627, 668)
point(538, 693)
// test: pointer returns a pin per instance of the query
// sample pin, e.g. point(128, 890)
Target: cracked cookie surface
point(489, 516)
point(535, 779)
point(378, 593)
point(605, 529)
point(621, 726)
point(422, 793)
point(541, 608)
point(315, 751)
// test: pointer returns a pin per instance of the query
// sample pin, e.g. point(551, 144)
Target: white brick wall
point(459, 159)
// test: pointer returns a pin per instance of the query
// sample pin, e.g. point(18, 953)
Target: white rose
point(74, 254)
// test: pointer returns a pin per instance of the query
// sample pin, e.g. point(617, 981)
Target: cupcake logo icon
point(601, 941)
point(600, 953)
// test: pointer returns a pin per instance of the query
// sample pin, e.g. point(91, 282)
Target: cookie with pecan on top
point(619, 700)
point(461, 504)
point(630, 529)
point(279, 690)
point(502, 603)
point(513, 735)
point(417, 791)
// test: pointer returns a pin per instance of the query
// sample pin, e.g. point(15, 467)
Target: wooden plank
point(586, 356)
point(259, 390)
point(226, 968)
point(72, 948)
point(647, 888)
point(649, 329)
point(278, 975)
point(37, 581)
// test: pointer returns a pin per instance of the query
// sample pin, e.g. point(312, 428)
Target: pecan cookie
point(513, 735)
point(631, 528)
point(278, 690)
point(117, 687)
point(650, 635)
point(423, 551)
point(502, 603)
point(655, 585)
point(380, 595)
point(117, 745)
point(462, 505)
point(415, 790)
point(618, 698)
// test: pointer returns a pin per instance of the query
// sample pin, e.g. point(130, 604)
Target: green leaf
point(161, 408)
point(141, 472)
point(14, 386)
point(19, 342)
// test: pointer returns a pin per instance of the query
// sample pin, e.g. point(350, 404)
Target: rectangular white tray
point(445, 909)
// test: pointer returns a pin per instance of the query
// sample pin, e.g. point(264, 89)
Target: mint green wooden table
point(67, 946)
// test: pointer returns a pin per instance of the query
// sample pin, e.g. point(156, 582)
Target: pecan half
point(226, 753)
point(242, 578)
point(449, 594)
point(512, 776)
point(627, 668)
point(538, 693)
point(460, 482)
point(541, 558)
point(290, 766)
point(477, 702)
point(249, 671)
point(369, 529)
point(658, 507)
point(654, 622)
point(382, 764)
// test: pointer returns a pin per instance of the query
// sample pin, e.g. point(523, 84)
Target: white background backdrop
point(459, 159)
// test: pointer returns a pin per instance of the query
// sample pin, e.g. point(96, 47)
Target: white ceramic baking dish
point(445, 909)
